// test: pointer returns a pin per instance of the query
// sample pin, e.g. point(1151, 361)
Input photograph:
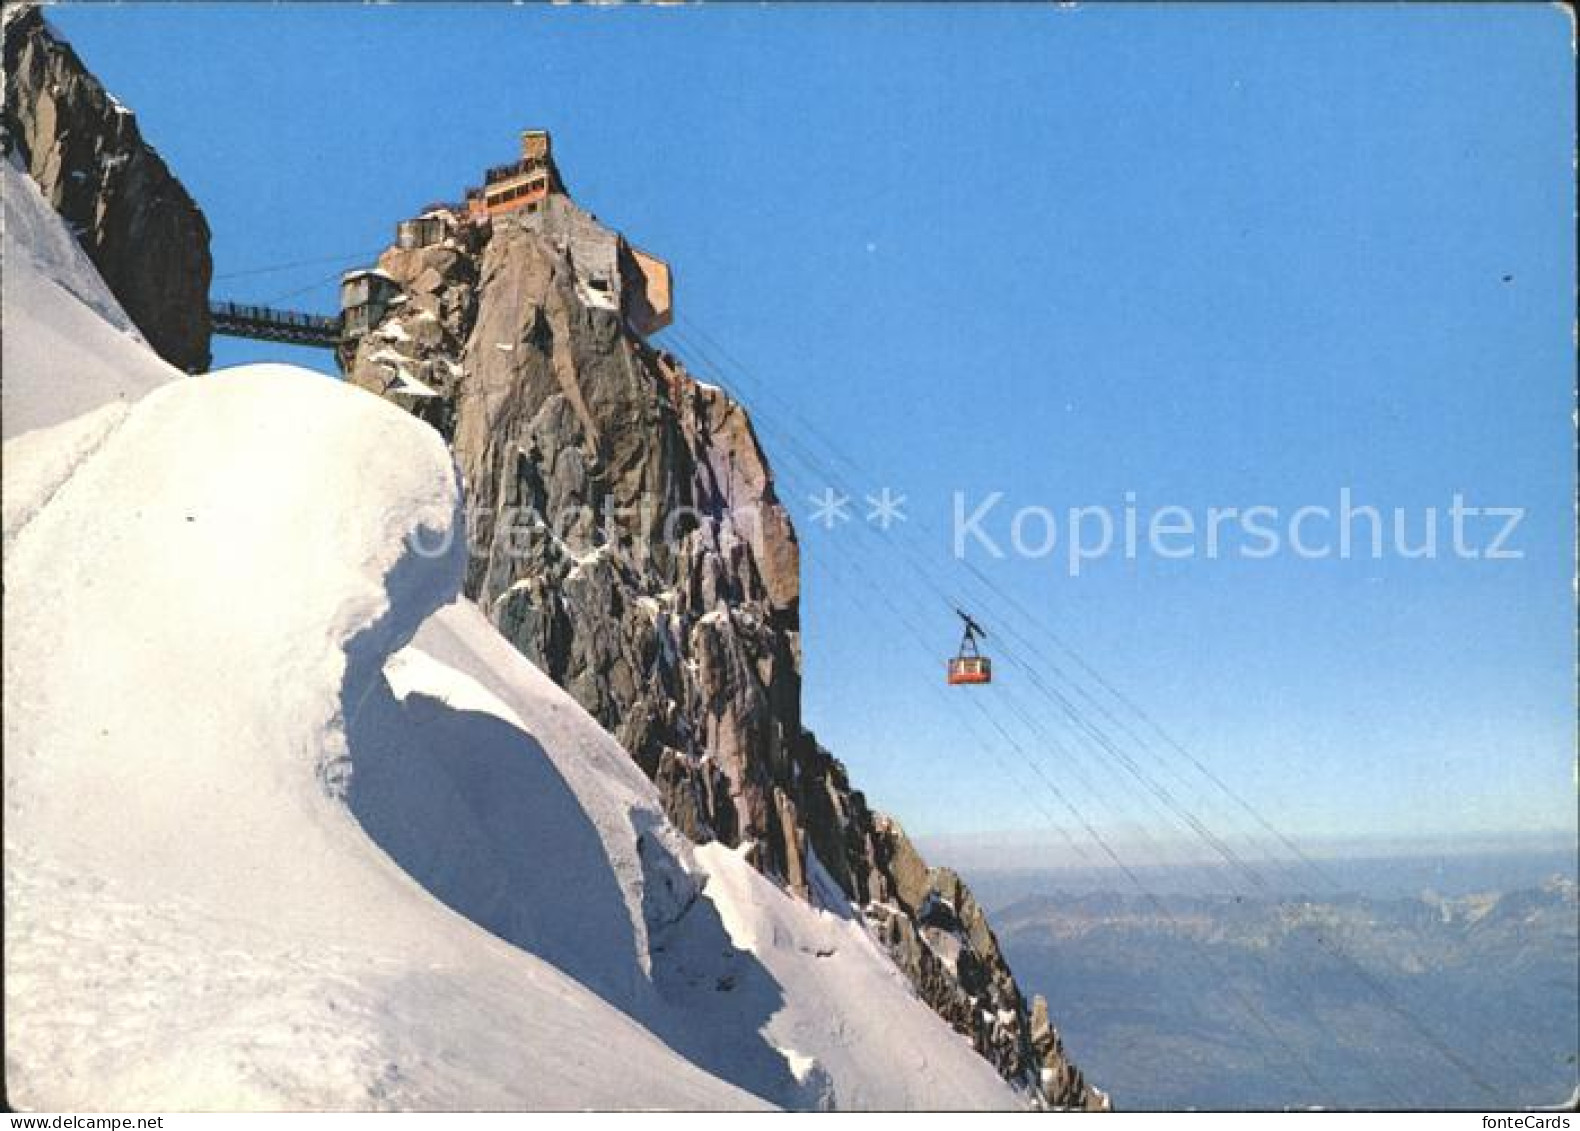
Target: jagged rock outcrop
point(137, 223)
point(627, 537)
point(942, 939)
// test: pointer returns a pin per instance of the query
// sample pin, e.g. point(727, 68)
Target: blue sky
point(1210, 256)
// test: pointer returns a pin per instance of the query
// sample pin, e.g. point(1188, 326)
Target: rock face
point(626, 536)
point(138, 225)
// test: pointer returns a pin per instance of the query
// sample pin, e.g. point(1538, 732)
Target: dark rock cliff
point(627, 537)
point(137, 223)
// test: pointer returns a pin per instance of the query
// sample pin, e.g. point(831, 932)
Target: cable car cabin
point(970, 669)
point(969, 664)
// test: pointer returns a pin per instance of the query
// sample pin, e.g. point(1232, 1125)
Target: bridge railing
point(504, 172)
point(269, 316)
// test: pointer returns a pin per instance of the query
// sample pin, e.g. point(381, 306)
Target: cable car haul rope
point(1111, 755)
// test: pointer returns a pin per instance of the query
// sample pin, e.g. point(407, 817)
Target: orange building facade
point(522, 184)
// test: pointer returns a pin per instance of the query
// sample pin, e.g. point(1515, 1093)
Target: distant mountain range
point(1352, 1001)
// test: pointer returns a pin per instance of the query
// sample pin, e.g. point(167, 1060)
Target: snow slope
point(796, 1004)
point(85, 333)
point(67, 323)
point(287, 825)
point(194, 917)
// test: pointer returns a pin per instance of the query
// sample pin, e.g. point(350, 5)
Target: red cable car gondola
point(970, 665)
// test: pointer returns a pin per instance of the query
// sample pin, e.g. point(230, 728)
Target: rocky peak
point(137, 223)
point(627, 537)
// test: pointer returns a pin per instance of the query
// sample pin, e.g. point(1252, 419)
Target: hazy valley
point(1368, 1000)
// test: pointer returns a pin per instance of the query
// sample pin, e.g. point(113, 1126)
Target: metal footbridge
point(268, 324)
